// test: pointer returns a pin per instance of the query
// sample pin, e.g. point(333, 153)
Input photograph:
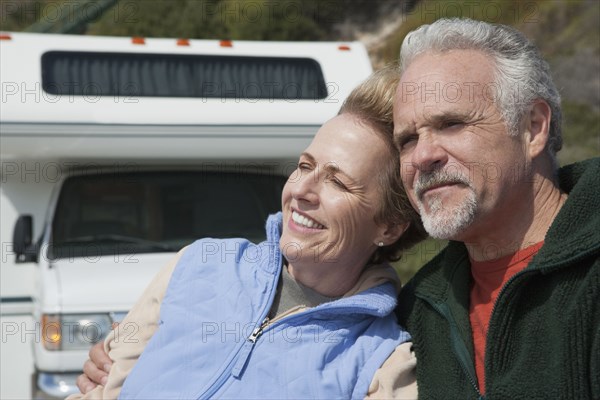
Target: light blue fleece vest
point(220, 292)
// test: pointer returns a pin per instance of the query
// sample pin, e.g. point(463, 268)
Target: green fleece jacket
point(544, 334)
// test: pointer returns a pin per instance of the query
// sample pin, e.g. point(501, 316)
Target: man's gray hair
point(522, 75)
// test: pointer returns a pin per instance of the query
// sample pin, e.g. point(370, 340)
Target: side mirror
point(22, 240)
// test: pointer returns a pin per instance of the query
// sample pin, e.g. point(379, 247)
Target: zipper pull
point(247, 349)
point(258, 331)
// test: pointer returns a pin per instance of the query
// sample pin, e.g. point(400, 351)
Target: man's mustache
point(438, 177)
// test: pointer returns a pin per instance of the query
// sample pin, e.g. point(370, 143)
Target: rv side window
point(170, 75)
point(156, 212)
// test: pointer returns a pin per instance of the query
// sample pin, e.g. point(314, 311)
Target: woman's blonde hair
point(372, 103)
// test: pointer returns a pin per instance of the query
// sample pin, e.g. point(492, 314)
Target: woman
point(306, 314)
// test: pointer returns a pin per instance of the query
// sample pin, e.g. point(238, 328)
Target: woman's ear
point(537, 128)
point(390, 233)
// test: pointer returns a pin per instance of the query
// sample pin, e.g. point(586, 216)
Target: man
point(511, 308)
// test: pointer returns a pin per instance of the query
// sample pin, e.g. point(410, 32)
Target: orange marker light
point(138, 40)
point(183, 42)
point(226, 43)
point(51, 332)
point(5, 37)
point(344, 47)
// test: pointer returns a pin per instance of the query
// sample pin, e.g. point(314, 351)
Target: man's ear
point(391, 233)
point(537, 128)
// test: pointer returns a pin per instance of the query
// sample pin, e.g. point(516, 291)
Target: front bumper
point(55, 385)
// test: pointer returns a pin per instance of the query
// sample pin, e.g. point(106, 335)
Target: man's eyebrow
point(444, 116)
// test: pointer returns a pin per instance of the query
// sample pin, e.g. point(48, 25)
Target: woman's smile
point(304, 221)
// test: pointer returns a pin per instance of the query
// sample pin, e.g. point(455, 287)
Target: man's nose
point(428, 154)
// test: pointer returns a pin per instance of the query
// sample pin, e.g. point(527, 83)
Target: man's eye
point(450, 124)
point(406, 141)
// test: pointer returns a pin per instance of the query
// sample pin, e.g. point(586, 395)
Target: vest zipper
point(245, 349)
point(458, 345)
point(256, 333)
point(216, 385)
point(240, 360)
point(248, 346)
point(244, 354)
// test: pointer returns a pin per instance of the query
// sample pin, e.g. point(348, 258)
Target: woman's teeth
point(302, 220)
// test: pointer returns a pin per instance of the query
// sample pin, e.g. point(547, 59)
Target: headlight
point(74, 331)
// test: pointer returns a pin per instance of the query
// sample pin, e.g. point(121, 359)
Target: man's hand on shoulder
point(95, 370)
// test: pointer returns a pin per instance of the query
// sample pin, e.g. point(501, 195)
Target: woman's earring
point(380, 244)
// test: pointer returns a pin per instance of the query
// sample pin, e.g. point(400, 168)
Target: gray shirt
point(291, 293)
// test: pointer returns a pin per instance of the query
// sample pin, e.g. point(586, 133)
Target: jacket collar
point(575, 233)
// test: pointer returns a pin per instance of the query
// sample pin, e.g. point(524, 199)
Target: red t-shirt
point(488, 279)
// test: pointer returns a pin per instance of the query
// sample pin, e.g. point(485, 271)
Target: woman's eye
point(303, 166)
point(338, 183)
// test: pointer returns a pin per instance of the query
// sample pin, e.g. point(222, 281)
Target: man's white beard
point(443, 222)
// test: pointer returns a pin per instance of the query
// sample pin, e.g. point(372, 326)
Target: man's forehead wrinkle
point(407, 88)
point(419, 77)
point(440, 115)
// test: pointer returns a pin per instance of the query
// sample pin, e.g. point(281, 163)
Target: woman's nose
point(306, 187)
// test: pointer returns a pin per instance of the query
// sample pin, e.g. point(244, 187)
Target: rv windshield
point(160, 211)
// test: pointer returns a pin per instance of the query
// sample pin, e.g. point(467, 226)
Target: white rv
point(116, 152)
